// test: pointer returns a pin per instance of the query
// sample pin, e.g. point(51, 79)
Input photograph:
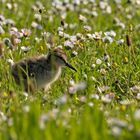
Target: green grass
point(45, 115)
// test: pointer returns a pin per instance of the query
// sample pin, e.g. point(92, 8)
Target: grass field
point(102, 41)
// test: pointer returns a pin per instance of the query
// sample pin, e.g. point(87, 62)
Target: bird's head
point(59, 57)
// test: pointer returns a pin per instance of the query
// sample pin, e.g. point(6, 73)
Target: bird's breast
point(48, 78)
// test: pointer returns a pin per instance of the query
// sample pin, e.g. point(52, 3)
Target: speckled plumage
point(39, 72)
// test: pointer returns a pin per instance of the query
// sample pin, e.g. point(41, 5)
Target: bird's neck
point(52, 64)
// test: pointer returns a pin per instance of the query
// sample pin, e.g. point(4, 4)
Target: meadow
point(102, 41)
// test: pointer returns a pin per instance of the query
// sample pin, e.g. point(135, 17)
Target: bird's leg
point(47, 87)
point(31, 86)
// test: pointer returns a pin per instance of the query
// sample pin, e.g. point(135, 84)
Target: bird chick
point(40, 72)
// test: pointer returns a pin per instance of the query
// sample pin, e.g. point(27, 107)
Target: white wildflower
point(9, 22)
point(94, 96)
point(117, 122)
point(26, 95)
point(79, 35)
point(137, 114)
point(126, 102)
point(87, 28)
point(120, 24)
point(138, 96)
point(34, 24)
point(138, 2)
point(10, 121)
point(76, 87)
point(98, 61)
point(108, 9)
point(72, 82)
point(42, 120)
point(94, 13)
point(26, 32)
point(82, 99)
point(10, 61)
point(90, 36)
point(73, 39)
point(1, 30)
point(120, 42)
point(69, 44)
point(90, 104)
point(103, 71)
point(48, 45)
point(116, 131)
point(106, 99)
point(118, 1)
point(82, 18)
point(74, 53)
point(60, 29)
point(106, 57)
point(65, 25)
point(37, 17)
point(9, 6)
point(97, 35)
point(2, 116)
point(93, 78)
point(66, 36)
point(103, 4)
point(61, 100)
point(107, 39)
point(72, 26)
point(135, 89)
point(110, 33)
point(93, 65)
point(61, 33)
point(25, 49)
point(85, 75)
point(52, 114)
point(26, 108)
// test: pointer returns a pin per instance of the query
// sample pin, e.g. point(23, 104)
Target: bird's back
point(37, 70)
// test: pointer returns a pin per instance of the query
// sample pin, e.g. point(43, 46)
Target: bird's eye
point(62, 59)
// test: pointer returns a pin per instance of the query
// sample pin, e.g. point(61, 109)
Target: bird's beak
point(70, 66)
